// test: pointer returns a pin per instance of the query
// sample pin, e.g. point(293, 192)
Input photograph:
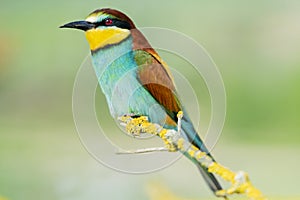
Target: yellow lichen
point(180, 114)
point(191, 152)
point(199, 155)
point(180, 143)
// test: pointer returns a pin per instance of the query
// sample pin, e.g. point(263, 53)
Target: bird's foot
point(133, 124)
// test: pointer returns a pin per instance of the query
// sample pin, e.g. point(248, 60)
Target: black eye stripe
point(115, 22)
point(122, 24)
point(102, 23)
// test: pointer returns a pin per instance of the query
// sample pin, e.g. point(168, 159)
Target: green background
point(255, 44)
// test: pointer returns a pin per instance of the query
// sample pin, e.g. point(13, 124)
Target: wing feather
point(155, 78)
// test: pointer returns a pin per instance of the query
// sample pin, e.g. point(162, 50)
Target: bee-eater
point(133, 77)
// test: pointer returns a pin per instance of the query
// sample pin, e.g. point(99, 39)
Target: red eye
point(108, 22)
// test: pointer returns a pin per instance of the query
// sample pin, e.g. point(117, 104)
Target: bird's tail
point(191, 135)
point(210, 179)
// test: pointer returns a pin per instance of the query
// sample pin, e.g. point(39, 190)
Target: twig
point(140, 151)
point(240, 182)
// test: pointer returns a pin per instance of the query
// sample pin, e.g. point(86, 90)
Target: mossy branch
point(240, 182)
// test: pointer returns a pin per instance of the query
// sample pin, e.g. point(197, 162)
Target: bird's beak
point(81, 25)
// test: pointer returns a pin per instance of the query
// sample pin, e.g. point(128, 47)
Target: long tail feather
point(210, 179)
point(189, 133)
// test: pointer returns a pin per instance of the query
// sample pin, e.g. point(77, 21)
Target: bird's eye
point(108, 22)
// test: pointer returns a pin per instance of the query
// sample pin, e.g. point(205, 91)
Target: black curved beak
point(81, 25)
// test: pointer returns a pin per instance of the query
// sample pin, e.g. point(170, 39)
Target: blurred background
point(255, 44)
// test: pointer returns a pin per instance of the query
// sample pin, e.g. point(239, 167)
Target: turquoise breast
point(116, 70)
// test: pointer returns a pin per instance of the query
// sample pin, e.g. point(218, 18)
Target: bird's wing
point(154, 76)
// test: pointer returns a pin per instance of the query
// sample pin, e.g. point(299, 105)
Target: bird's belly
point(130, 97)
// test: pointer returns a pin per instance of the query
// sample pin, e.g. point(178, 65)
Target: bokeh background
point(255, 44)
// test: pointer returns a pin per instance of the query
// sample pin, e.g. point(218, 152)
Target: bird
point(134, 78)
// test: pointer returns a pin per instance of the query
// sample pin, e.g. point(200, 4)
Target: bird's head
point(104, 27)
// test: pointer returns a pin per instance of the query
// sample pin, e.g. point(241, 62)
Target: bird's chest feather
point(116, 71)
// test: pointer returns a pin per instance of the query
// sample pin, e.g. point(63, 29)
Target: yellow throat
point(99, 38)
